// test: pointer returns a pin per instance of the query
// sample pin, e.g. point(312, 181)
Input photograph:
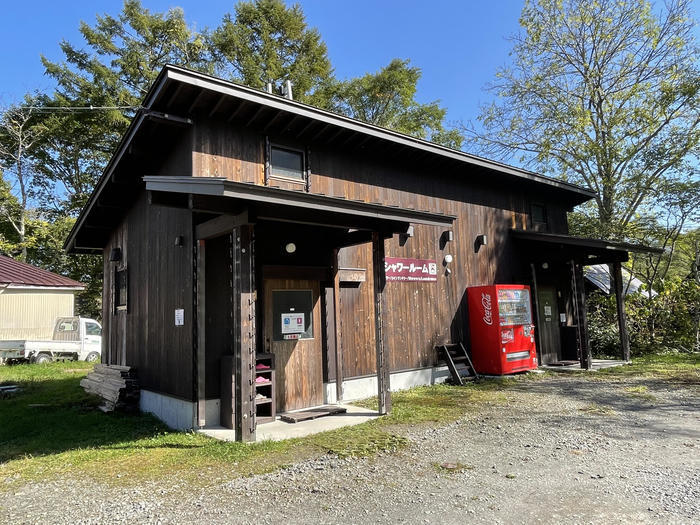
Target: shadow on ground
point(50, 416)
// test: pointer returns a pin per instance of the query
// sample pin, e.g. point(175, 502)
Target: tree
point(124, 56)
point(604, 93)
point(265, 40)
point(9, 209)
point(387, 99)
point(19, 134)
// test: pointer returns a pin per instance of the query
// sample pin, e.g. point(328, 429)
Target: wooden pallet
point(312, 413)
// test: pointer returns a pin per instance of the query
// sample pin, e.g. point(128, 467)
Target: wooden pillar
point(244, 296)
point(579, 293)
point(380, 337)
point(536, 303)
point(336, 327)
point(616, 276)
point(201, 333)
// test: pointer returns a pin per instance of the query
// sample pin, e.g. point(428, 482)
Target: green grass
point(682, 368)
point(52, 428)
point(640, 392)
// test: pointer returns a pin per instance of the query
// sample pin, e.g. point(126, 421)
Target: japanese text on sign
point(397, 269)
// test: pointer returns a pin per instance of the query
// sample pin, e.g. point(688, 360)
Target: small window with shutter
point(538, 213)
point(121, 288)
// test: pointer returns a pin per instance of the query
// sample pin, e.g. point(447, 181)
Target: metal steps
point(458, 362)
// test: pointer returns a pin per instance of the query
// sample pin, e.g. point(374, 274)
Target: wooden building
point(31, 299)
point(227, 211)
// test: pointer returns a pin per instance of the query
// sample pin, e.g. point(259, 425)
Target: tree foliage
point(101, 82)
point(603, 93)
point(387, 99)
point(267, 41)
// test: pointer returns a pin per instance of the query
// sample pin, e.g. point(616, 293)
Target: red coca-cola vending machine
point(502, 333)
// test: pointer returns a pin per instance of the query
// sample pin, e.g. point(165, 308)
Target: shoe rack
point(265, 410)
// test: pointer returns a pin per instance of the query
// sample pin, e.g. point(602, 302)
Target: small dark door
point(549, 324)
point(298, 358)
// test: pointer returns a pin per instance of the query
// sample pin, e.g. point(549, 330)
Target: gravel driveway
point(566, 449)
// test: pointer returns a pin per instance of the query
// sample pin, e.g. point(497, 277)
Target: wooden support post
point(244, 297)
point(201, 334)
point(379, 309)
point(536, 303)
point(336, 322)
point(580, 314)
point(616, 275)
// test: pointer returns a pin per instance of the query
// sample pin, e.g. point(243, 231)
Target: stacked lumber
point(116, 385)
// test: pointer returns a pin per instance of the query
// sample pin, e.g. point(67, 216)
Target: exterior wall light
point(448, 258)
point(290, 247)
point(545, 265)
point(115, 255)
point(481, 240)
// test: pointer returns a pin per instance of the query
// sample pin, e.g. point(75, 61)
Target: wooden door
point(298, 362)
point(549, 324)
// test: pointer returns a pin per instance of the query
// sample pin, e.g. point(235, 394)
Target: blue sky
point(457, 44)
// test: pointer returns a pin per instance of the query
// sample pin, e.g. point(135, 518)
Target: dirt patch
point(558, 450)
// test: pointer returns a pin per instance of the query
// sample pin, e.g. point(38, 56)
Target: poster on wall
point(400, 269)
point(292, 323)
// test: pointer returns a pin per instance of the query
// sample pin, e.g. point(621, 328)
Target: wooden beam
point(579, 299)
point(255, 116)
point(352, 275)
point(201, 334)
point(167, 117)
point(235, 113)
point(336, 327)
point(536, 302)
point(306, 128)
point(221, 225)
point(383, 385)
point(217, 106)
point(170, 200)
point(616, 275)
point(244, 296)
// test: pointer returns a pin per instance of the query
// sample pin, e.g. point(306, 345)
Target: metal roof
point(221, 187)
point(582, 242)
point(178, 93)
point(17, 273)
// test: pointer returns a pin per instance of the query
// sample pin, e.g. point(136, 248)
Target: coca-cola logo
point(486, 303)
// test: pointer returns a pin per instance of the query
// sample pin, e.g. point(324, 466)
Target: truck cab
point(87, 332)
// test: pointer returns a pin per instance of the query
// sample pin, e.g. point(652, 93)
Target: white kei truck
point(74, 338)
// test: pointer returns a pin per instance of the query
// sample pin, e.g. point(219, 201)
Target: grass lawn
point(681, 368)
point(52, 429)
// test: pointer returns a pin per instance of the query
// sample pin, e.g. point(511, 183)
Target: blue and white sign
point(293, 323)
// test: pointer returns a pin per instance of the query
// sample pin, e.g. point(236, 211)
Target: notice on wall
point(293, 323)
point(547, 310)
point(179, 317)
point(398, 269)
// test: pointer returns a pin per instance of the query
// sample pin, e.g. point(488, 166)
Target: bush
point(665, 322)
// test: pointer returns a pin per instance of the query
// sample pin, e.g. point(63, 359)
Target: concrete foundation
point(181, 415)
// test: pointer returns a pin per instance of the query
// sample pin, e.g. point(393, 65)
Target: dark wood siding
point(160, 281)
point(419, 315)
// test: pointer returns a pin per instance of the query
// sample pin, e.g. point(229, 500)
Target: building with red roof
point(31, 299)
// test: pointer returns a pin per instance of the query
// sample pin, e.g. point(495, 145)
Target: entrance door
point(293, 334)
point(549, 324)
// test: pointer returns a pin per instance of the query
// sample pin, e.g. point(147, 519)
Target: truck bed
point(16, 348)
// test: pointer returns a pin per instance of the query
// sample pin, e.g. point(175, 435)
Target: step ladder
point(458, 362)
